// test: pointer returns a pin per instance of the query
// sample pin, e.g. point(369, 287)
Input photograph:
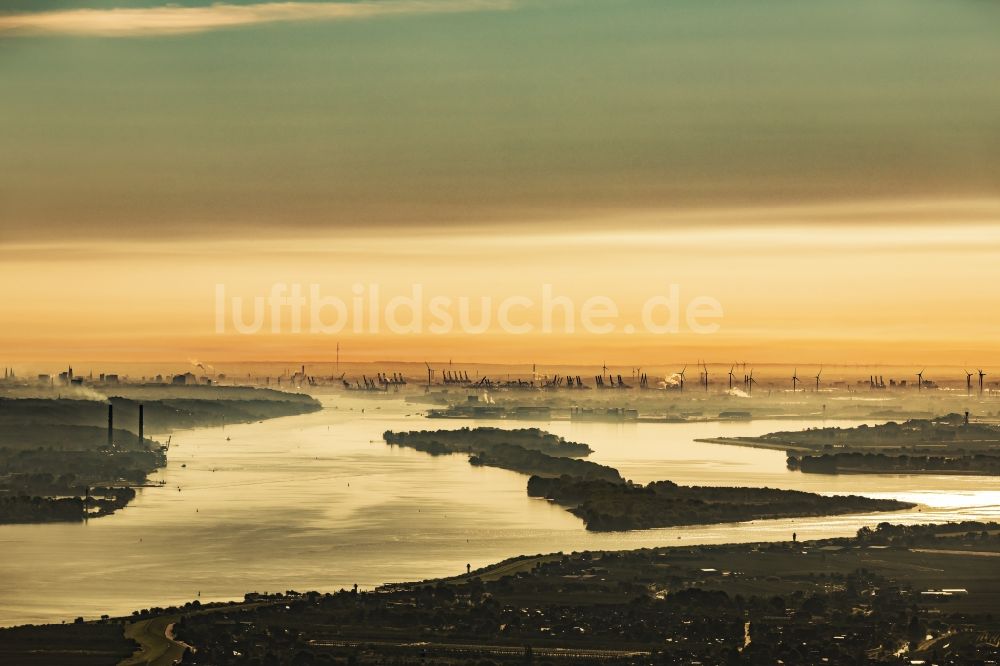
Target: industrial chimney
point(111, 424)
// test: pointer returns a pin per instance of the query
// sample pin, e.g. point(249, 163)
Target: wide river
point(320, 502)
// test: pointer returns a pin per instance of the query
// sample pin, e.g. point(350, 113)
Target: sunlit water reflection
point(320, 502)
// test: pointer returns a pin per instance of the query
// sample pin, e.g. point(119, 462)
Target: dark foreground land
point(606, 502)
point(892, 595)
point(946, 445)
point(58, 463)
point(77, 644)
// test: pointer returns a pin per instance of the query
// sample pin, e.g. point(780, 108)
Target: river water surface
point(318, 501)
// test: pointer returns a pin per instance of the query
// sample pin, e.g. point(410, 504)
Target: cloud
point(173, 19)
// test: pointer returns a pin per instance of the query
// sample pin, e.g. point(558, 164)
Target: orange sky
point(826, 174)
point(833, 287)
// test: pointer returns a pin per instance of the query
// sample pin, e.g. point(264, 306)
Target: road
point(155, 638)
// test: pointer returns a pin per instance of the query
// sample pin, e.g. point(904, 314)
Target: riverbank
point(606, 502)
point(607, 507)
point(948, 444)
point(58, 465)
point(925, 591)
point(318, 501)
point(753, 443)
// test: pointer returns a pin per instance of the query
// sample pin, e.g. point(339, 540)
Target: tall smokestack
point(140, 423)
point(111, 423)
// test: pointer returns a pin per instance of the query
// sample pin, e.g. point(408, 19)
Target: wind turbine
point(920, 380)
point(981, 375)
point(795, 380)
point(705, 365)
point(681, 375)
point(430, 374)
point(731, 377)
point(817, 378)
point(968, 382)
point(750, 382)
